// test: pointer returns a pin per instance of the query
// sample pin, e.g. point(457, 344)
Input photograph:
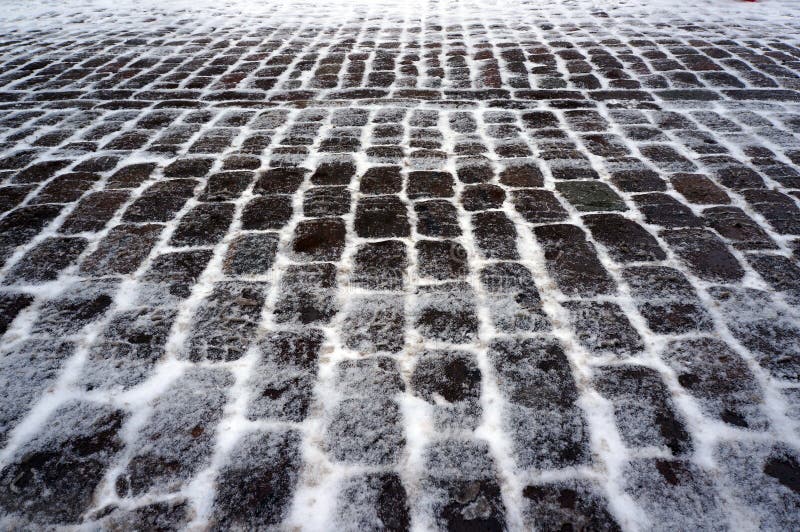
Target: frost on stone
point(256, 485)
point(366, 426)
point(285, 374)
point(224, 324)
point(451, 382)
point(178, 437)
point(171, 276)
point(76, 307)
point(461, 488)
point(372, 502)
point(51, 479)
point(369, 377)
point(128, 349)
point(374, 323)
point(545, 424)
point(666, 299)
point(26, 371)
point(676, 494)
point(365, 431)
point(603, 328)
point(765, 477)
point(513, 299)
point(719, 379)
point(567, 505)
point(165, 515)
point(307, 294)
point(643, 408)
point(11, 304)
point(447, 312)
point(769, 332)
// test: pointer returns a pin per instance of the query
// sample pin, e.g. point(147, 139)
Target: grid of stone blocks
point(449, 270)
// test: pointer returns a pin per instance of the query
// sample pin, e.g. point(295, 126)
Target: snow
point(350, 401)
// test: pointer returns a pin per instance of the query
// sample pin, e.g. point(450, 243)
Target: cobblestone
point(370, 266)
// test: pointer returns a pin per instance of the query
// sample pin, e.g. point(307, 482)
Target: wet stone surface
point(379, 265)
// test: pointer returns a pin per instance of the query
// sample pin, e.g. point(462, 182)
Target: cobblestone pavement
point(445, 265)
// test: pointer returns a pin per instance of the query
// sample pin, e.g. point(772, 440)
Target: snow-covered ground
point(386, 265)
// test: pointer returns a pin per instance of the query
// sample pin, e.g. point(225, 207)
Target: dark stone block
point(567, 505)
point(381, 180)
point(780, 210)
point(429, 185)
point(546, 427)
point(662, 209)
point(764, 477)
point(283, 383)
point(365, 432)
point(463, 488)
point(11, 304)
point(319, 239)
point(178, 439)
point(513, 299)
point(472, 170)
point(46, 261)
point(380, 265)
point(251, 254)
point(280, 180)
point(307, 294)
point(437, 218)
point(326, 201)
point(65, 188)
point(441, 259)
point(667, 300)
point(226, 186)
point(732, 223)
point(373, 500)
point(699, 189)
point(667, 158)
point(170, 515)
point(643, 408)
point(625, 240)
point(131, 176)
point(675, 493)
point(780, 272)
point(521, 174)
point(94, 211)
point(495, 235)
point(763, 328)
point(381, 217)
point(27, 370)
point(41, 171)
point(447, 312)
point(267, 212)
point(377, 376)
point(129, 348)
point(204, 225)
point(225, 322)
point(482, 197)
point(334, 172)
point(52, 478)
point(572, 261)
point(255, 487)
point(451, 382)
point(705, 254)
point(122, 250)
point(719, 379)
point(375, 323)
point(591, 196)
point(189, 167)
point(603, 328)
point(21, 225)
point(160, 201)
